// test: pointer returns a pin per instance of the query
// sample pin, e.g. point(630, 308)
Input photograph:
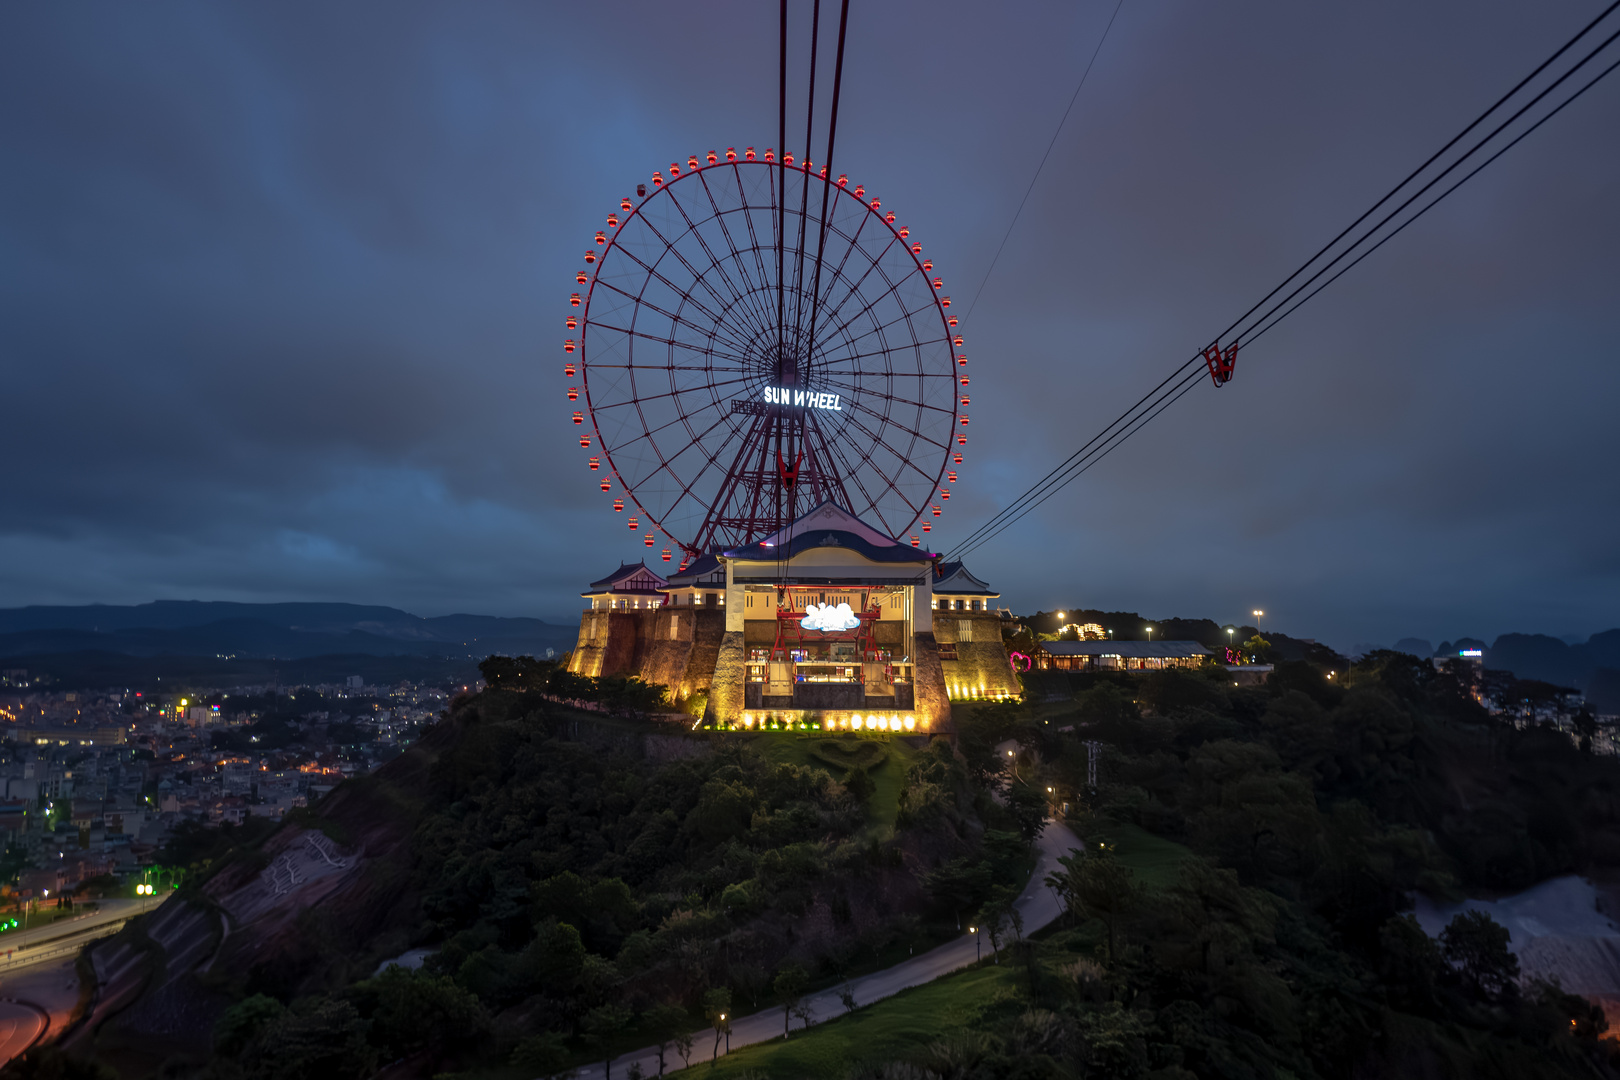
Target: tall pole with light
point(1257, 613)
point(1150, 633)
point(978, 948)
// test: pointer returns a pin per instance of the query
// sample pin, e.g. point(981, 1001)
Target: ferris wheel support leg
point(726, 690)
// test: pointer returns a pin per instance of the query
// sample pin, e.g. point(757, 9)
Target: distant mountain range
point(269, 631)
point(1591, 666)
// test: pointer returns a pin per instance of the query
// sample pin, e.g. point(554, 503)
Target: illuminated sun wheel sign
point(741, 359)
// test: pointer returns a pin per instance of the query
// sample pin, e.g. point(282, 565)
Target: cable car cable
point(1476, 148)
point(826, 188)
point(1072, 99)
point(1156, 400)
point(1430, 205)
point(1503, 100)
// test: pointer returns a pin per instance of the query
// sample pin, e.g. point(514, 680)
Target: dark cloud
point(281, 290)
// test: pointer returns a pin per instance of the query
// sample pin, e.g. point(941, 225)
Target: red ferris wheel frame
point(733, 417)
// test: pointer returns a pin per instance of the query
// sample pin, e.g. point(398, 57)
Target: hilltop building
point(828, 620)
point(1119, 655)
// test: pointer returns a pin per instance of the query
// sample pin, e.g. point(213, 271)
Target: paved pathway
point(21, 1024)
point(1037, 903)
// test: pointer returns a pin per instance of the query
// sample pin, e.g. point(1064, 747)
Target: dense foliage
point(1280, 947)
point(588, 888)
point(591, 886)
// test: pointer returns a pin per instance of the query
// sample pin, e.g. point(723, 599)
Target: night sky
point(284, 287)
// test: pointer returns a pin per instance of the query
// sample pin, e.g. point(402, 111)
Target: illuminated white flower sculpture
point(828, 618)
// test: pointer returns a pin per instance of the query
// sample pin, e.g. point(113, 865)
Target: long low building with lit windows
point(827, 623)
point(1119, 655)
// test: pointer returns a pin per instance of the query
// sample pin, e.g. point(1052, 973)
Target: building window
point(964, 630)
point(973, 605)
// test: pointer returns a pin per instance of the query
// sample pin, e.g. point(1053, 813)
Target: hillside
point(557, 865)
point(577, 888)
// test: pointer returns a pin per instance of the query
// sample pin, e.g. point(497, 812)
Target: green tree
point(1410, 964)
point(1094, 885)
point(995, 916)
point(717, 1007)
point(415, 1011)
point(1028, 807)
point(791, 980)
point(317, 1037)
point(1477, 945)
point(665, 1023)
point(602, 1026)
point(544, 1054)
point(243, 1021)
point(860, 784)
point(958, 884)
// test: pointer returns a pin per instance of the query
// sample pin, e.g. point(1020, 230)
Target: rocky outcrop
point(931, 702)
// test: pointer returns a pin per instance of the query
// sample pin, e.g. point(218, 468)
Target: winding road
point(1038, 904)
point(21, 1025)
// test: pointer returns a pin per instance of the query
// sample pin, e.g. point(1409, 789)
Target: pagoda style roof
point(698, 572)
point(1135, 650)
point(631, 579)
point(953, 578)
point(829, 525)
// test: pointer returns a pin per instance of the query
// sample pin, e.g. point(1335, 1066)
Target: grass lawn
point(883, 809)
point(1154, 860)
point(893, 1028)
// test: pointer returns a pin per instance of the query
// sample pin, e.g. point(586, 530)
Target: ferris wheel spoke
point(856, 395)
point(875, 507)
point(739, 295)
point(851, 245)
point(844, 358)
point(653, 274)
point(727, 483)
point(746, 209)
point(903, 458)
point(892, 290)
point(672, 342)
point(637, 302)
point(833, 313)
point(904, 316)
point(668, 367)
point(757, 286)
point(642, 399)
point(680, 256)
point(709, 332)
point(827, 454)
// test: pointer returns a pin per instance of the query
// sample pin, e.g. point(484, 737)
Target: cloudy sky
point(281, 289)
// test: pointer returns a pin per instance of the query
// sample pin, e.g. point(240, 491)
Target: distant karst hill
point(280, 631)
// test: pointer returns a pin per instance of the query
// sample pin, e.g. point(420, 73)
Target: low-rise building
point(1119, 655)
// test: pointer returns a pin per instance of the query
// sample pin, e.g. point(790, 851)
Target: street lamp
point(1150, 633)
point(1257, 613)
point(978, 949)
point(728, 1032)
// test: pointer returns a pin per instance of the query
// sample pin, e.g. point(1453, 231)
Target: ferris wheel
point(745, 355)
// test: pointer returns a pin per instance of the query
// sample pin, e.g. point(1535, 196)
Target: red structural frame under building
point(790, 631)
